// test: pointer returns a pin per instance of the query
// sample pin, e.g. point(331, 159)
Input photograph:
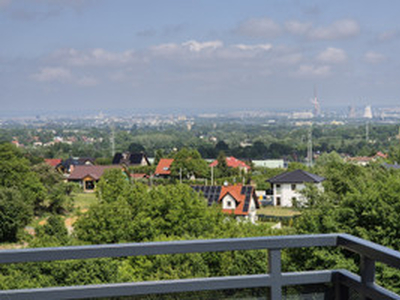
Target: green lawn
point(278, 211)
point(84, 200)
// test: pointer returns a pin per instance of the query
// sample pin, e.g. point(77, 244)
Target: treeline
point(246, 141)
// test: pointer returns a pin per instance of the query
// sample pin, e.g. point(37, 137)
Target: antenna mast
point(112, 139)
point(309, 148)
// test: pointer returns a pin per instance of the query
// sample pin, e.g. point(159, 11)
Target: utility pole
point(309, 148)
point(366, 132)
point(212, 175)
point(180, 175)
point(112, 140)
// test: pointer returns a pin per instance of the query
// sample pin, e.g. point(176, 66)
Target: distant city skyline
point(186, 55)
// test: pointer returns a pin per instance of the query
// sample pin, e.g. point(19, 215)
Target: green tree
point(111, 185)
point(189, 163)
point(15, 213)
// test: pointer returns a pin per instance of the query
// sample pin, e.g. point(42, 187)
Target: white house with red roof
point(233, 162)
point(237, 200)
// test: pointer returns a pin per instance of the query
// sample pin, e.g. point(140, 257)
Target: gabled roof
point(95, 172)
point(54, 162)
point(232, 162)
point(76, 161)
point(164, 166)
point(130, 158)
point(241, 194)
point(297, 176)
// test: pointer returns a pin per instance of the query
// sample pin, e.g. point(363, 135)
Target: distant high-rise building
point(315, 102)
point(352, 112)
point(368, 112)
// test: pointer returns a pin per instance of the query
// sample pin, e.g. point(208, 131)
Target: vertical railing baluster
point(275, 271)
point(367, 270)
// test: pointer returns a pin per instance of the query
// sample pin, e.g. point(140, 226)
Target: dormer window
point(165, 168)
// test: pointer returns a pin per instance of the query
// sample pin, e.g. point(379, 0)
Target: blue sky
point(197, 55)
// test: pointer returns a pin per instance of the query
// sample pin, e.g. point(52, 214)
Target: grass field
point(84, 200)
point(278, 211)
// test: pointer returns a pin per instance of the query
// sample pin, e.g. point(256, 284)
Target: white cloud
point(312, 71)
point(374, 57)
point(87, 81)
point(190, 46)
point(262, 47)
point(52, 74)
point(332, 56)
point(298, 28)
point(340, 29)
point(259, 28)
point(198, 46)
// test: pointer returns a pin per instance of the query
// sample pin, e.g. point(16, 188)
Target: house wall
point(287, 194)
point(225, 201)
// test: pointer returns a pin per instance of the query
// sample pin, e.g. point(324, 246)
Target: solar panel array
point(211, 193)
point(247, 190)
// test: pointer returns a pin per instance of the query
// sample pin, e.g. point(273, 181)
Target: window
point(278, 201)
point(278, 186)
point(293, 187)
point(228, 203)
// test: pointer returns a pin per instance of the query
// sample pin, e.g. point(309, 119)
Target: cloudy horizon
point(102, 55)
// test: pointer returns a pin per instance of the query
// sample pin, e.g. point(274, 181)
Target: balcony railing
point(342, 280)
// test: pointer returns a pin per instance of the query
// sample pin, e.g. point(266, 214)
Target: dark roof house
point(297, 176)
point(131, 159)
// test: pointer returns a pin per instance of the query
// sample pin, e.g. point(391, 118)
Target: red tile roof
point(243, 195)
point(95, 172)
point(54, 162)
point(232, 162)
point(139, 175)
point(235, 192)
point(164, 166)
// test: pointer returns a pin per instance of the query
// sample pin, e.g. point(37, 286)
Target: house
point(88, 176)
point(139, 176)
point(286, 187)
point(53, 162)
point(131, 159)
point(270, 163)
point(238, 200)
point(67, 166)
point(233, 162)
point(365, 160)
point(163, 168)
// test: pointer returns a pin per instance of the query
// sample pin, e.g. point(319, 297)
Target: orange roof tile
point(232, 162)
point(54, 162)
point(164, 166)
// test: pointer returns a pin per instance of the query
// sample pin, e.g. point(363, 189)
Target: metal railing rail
point(275, 279)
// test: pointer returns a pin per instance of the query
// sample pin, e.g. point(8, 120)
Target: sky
point(177, 55)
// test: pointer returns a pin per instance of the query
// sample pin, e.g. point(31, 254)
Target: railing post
point(367, 270)
point(341, 291)
point(275, 271)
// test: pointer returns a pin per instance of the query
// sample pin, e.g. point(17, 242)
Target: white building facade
point(286, 187)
